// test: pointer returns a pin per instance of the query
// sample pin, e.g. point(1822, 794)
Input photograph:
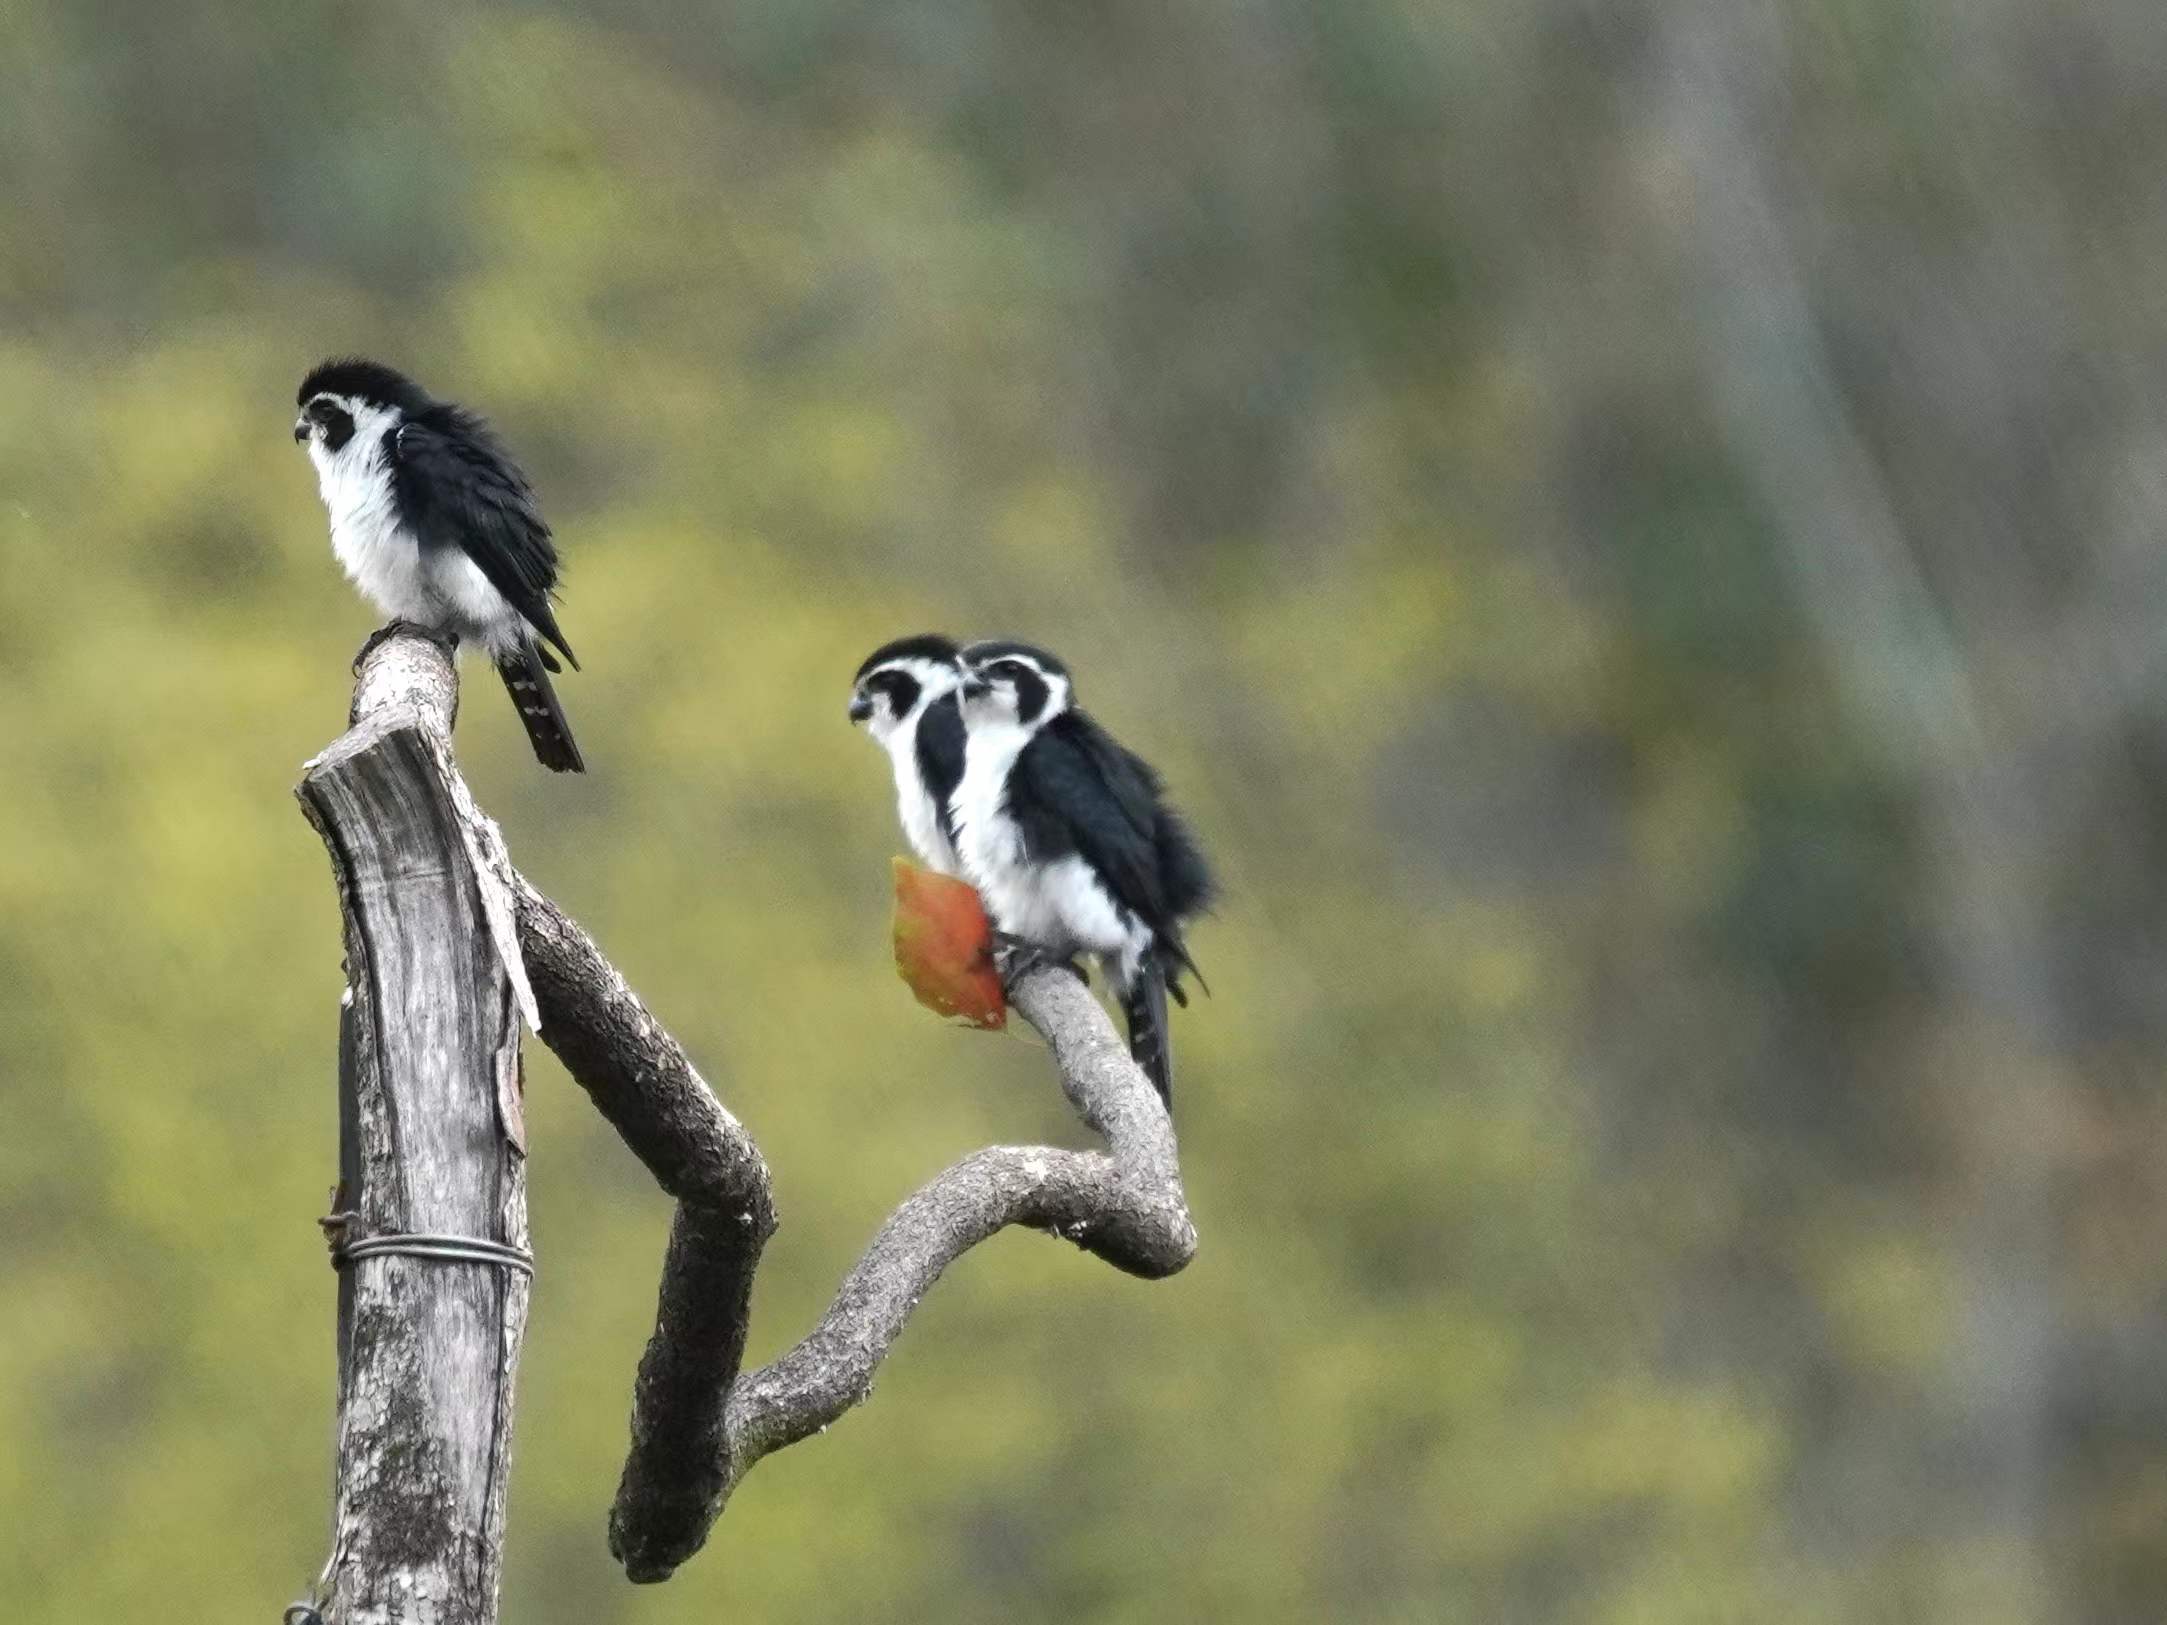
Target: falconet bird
point(904, 697)
point(438, 527)
point(1070, 841)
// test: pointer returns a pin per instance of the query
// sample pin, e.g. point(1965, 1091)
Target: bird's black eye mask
point(338, 423)
point(900, 687)
point(1032, 692)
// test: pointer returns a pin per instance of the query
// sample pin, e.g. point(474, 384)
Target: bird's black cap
point(367, 380)
point(920, 646)
point(990, 649)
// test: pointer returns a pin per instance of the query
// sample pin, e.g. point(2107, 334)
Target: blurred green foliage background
point(1634, 530)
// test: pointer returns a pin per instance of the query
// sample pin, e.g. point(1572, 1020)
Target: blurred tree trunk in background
point(1907, 663)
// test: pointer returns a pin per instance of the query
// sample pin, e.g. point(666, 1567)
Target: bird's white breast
point(377, 553)
point(987, 839)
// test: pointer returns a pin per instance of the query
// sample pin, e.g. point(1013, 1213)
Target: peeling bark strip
point(429, 1054)
point(698, 1426)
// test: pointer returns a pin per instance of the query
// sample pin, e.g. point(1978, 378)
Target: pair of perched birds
point(1000, 778)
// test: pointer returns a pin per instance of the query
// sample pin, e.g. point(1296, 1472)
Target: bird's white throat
point(371, 545)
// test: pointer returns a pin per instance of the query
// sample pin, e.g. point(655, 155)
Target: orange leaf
point(944, 947)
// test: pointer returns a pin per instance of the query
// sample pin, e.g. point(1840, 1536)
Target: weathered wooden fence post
point(430, 1223)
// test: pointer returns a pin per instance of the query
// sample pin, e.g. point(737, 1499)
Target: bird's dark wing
point(460, 490)
point(1075, 789)
point(940, 757)
point(1183, 873)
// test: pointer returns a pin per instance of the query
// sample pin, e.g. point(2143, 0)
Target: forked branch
point(698, 1423)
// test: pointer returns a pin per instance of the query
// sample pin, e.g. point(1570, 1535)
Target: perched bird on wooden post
point(438, 527)
point(904, 697)
point(1070, 841)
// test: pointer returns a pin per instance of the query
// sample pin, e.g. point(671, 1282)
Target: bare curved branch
point(1125, 1206)
point(638, 1077)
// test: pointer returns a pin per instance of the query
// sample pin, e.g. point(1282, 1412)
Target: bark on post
point(431, 1145)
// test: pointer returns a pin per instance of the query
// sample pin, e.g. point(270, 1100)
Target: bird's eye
point(334, 420)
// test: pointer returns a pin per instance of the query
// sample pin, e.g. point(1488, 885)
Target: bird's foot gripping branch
point(413, 854)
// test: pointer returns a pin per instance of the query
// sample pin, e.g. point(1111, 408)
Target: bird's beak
point(861, 708)
point(300, 428)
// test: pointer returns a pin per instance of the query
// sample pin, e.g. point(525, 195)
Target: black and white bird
point(438, 527)
point(1070, 841)
point(904, 696)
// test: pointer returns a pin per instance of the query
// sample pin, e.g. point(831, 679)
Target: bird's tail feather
point(1175, 955)
point(1150, 1044)
point(527, 678)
